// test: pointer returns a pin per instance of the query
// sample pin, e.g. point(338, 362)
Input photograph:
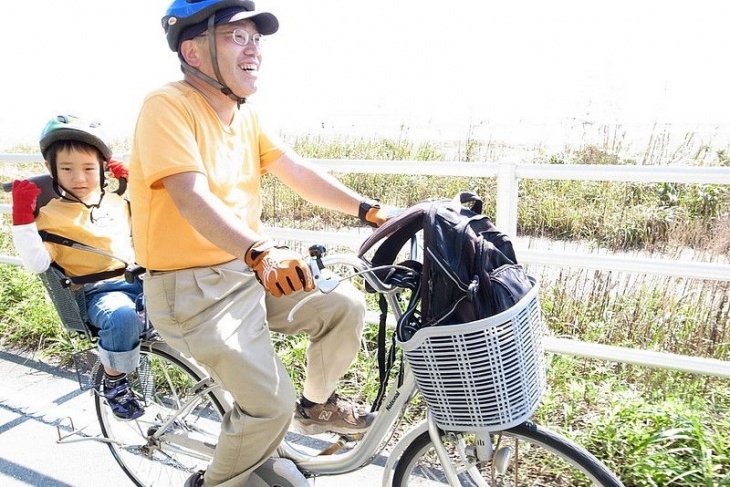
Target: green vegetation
point(654, 427)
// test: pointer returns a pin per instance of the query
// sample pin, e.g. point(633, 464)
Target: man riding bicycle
point(215, 283)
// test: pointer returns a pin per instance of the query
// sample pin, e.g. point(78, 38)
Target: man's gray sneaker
point(337, 415)
point(195, 480)
point(277, 471)
point(280, 472)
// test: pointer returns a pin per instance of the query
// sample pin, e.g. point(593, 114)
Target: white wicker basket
point(487, 375)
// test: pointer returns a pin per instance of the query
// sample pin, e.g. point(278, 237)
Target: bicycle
point(184, 408)
point(480, 382)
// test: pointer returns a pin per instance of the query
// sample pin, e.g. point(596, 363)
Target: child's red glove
point(25, 195)
point(118, 169)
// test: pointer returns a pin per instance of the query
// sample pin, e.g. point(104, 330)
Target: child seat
point(70, 304)
point(68, 300)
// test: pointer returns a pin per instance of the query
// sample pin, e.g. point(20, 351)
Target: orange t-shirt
point(107, 231)
point(177, 131)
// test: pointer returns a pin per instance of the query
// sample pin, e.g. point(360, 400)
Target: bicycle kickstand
point(64, 438)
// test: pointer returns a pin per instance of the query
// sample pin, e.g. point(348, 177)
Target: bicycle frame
point(459, 452)
point(394, 404)
point(361, 452)
point(380, 432)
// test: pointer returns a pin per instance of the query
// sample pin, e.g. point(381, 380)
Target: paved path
point(36, 398)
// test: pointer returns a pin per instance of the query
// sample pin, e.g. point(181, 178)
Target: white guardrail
point(508, 174)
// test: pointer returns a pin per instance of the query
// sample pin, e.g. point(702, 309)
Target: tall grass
point(663, 217)
point(654, 427)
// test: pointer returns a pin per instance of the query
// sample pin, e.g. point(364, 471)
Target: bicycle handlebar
point(326, 282)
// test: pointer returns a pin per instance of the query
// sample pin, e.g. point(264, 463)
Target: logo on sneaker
point(325, 415)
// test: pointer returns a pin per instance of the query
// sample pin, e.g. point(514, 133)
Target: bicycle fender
point(399, 448)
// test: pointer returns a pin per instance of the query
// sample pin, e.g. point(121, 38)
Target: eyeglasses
point(242, 37)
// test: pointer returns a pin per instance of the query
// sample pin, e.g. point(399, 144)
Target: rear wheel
point(526, 455)
point(179, 429)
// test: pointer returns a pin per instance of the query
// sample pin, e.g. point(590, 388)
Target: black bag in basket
point(469, 269)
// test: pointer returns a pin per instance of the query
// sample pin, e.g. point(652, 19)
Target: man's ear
point(189, 52)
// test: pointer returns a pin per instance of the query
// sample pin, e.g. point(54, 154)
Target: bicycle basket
point(486, 375)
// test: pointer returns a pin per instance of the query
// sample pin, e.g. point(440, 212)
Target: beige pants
point(219, 316)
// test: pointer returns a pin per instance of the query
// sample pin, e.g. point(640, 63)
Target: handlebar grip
point(8, 187)
point(121, 187)
point(132, 272)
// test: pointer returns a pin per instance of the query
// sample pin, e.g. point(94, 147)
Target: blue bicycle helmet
point(186, 19)
point(182, 14)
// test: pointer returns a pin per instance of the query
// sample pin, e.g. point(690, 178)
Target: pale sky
point(375, 65)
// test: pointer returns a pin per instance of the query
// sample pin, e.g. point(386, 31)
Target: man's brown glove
point(280, 270)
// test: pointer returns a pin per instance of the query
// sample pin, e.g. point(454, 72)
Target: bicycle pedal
point(350, 437)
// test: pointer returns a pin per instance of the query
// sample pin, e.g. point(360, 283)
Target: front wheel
point(526, 455)
point(179, 429)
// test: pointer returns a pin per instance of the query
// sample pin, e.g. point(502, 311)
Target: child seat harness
point(88, 278)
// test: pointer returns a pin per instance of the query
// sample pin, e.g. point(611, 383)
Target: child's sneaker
point(121, 398)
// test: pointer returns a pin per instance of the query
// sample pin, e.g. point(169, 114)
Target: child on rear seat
point(77, 157)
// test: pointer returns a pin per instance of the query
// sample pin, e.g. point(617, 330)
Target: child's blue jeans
point(112, 308)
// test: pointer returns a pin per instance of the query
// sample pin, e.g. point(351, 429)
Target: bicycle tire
point(543, 458)
point(162, 462)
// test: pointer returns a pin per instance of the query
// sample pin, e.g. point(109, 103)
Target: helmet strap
point(201, 75)
point(64, 193)
point(218, 82)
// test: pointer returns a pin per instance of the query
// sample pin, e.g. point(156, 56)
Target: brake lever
point(325, 284)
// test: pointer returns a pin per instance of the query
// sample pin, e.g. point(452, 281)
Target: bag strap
point(398, 230)
point(465, 197)
point(88, 278)
point(394, 234)
point(386, 355)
